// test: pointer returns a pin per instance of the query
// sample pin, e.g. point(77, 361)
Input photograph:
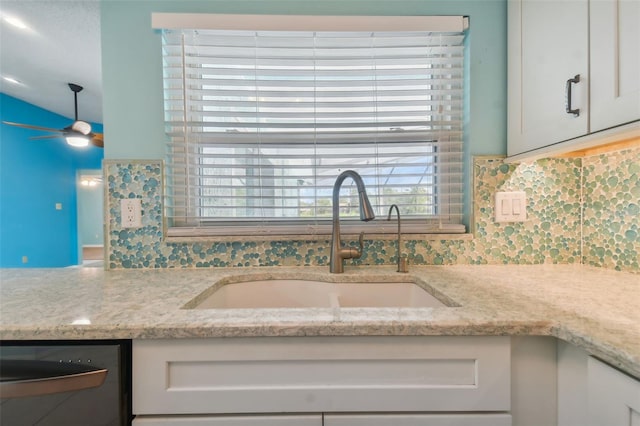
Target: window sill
point(412, 229)
point(316, 237)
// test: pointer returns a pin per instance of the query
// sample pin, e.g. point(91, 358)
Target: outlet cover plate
point(131, 212)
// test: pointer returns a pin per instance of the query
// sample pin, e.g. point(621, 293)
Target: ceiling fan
point(76, 134)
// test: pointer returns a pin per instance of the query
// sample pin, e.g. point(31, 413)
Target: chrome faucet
point(402, 261)
point(338, 254)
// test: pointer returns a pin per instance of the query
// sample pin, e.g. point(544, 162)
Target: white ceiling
point(61, 45)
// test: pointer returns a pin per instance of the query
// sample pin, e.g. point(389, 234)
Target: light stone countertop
point(595, 309)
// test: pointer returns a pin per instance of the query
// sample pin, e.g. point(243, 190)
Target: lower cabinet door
point(417, 419)
point(244, 420)
point(614, 397)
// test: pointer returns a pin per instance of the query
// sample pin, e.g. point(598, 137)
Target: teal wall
point(132, 67)
point(34, 176)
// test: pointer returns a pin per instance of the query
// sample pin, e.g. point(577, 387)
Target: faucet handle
point(352, 252)
point(355, 253)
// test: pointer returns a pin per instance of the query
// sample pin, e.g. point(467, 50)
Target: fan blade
point(29, 126)
point(97, 139)
point(45, 137)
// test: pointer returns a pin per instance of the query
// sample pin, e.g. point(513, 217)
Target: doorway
point(90, 190)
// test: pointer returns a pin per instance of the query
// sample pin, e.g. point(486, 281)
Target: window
point(261, 121)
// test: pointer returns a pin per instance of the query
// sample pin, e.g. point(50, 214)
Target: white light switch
point(516, 209)
point(511, 206)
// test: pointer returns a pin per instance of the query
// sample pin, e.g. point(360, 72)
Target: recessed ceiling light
point(11, 80)
point(12, 20)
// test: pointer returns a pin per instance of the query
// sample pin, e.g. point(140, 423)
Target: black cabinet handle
point(575, 112)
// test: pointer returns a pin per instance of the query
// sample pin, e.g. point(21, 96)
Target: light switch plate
point(511, 206)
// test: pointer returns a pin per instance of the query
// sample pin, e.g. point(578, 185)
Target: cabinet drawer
point(272, 420)
point(321, 374)
point(417, 419)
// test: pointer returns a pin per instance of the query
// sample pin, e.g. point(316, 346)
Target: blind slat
point(320, 138)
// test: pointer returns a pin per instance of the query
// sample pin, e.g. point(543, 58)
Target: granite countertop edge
point(592, 308)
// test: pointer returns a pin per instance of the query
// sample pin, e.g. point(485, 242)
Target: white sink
point(315, 294)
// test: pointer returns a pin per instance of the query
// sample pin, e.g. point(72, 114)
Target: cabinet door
point(614, 397)
point(417, 419)
point(615, 62)
point(285, 420)
point(547, 46)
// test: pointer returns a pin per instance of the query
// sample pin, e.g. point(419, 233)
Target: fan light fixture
point(82, 127)
point(77, 141)
point(77, 134)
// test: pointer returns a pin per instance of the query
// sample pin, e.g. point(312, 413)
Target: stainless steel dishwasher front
point(65, 383)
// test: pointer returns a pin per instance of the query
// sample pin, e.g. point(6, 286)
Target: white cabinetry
point(615, 62)
point(552, 42)
point(417, 420)
point(614, 397)
point(377, 381)
point(572, 385)
point(212, 377)
point(533, 381)
point(268, 420)
point(547, 46)
point(592, 393)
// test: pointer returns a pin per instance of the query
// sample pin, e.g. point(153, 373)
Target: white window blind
point(261, 123)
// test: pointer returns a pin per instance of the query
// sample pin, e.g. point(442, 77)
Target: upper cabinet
point(573, 72)
point(548, 47)
point(615, 62)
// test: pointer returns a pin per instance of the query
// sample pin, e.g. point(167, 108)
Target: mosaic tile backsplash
point(611, 224)
point(552, 233)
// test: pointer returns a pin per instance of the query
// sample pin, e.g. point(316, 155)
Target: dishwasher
point(70, 383)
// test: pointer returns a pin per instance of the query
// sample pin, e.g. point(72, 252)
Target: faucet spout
point(402, 262)
point(338, 254)
point(366, 211)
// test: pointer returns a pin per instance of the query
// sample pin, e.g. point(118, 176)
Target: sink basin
point(314, 294)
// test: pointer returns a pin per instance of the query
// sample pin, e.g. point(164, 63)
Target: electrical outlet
point(131, 212)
